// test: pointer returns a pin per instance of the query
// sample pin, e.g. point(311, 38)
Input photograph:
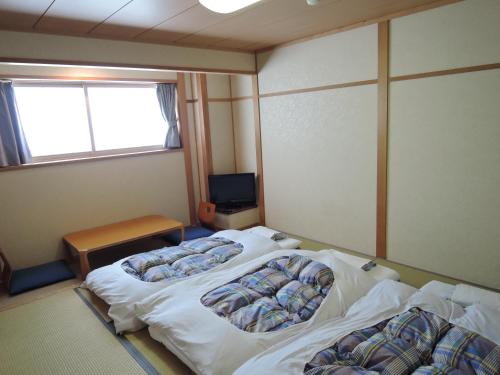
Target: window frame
point(93, 153)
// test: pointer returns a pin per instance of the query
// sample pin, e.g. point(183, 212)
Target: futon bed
point(394, 329)
point(216, 322)
point(131, 279)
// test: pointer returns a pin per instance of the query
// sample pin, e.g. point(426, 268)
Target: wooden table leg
point(84, 264)
point(70, 258)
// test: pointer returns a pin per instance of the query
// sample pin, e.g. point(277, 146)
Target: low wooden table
point(89, 240)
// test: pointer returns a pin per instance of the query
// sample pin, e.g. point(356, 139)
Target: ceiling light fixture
point(226, 6)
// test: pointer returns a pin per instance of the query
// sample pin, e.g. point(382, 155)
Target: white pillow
point(267, 232)
point(289, 243)
point(467, 295)
point(481, 319)
point(438, 288)
point(280, 238)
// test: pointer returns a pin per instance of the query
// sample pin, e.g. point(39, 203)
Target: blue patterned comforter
point(285, 291)
point(176, 262)
point(415, 342)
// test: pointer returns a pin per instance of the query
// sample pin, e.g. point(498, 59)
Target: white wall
point(82, 72)
point(319, 155)
point(218, 86)
point(40, 205)
point(444, 137)
point(319, 149)
point(15, 44)
point(221, 123)
point(444, 175)
point(221, 134)
point(244, 124)
point(453, 36)
point(241, 85)
point(339, 58)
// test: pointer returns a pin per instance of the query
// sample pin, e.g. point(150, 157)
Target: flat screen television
point(232, 191)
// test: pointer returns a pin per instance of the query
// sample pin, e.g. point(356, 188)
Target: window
point(72, 120)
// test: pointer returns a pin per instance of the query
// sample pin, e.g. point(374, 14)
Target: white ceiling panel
point(78, 16)
point(141, 15)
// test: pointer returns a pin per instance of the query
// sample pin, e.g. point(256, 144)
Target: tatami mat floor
point(59, 335)
point(155, 353)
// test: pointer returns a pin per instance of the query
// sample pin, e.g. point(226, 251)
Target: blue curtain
point(14, 149)
point(166, 93)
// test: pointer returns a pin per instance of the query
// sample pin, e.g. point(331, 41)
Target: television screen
point(231, 190)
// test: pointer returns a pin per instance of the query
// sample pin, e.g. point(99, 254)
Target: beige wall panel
point(221, 133)
point(463, 34)
point(44, 71)
point(338, 58)
point(241, 85)
point(40, 205)
point(319, 153)
point(244, 136)
point(444, 157)
point(218, 86)
point(43, 46)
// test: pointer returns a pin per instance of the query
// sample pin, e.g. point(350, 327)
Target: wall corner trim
point(204, 130)
point(382, 138)
point(183, 120)
point(258, 148)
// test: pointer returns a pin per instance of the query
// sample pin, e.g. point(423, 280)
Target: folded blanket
point(283, 292)
point(187, 259)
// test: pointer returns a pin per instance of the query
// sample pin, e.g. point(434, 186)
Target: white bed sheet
point(209, 344)
point(121, 290)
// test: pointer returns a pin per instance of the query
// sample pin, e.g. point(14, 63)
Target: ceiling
point(186, 22)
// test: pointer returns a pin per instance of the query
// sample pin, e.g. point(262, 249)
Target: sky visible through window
point(55, 118)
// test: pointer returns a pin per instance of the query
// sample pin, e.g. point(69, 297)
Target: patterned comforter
point(176, 262)
point(285, 291)
point(415, 342)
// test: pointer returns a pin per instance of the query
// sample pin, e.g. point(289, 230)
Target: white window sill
point(79, 158)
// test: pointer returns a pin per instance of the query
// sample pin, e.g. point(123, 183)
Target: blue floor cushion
point(38, 276)
point(190, 233)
